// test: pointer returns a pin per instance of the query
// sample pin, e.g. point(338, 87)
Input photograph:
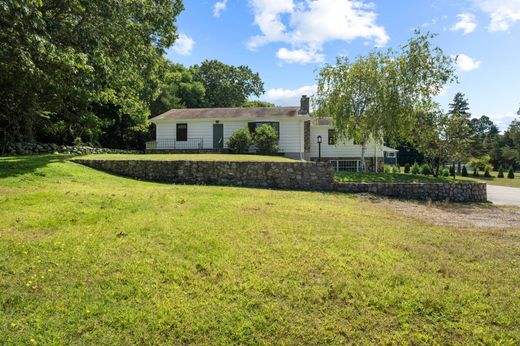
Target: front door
point(218, 136)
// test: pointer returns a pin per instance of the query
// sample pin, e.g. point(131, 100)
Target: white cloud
point(466, 63)
point(466, 23)
point(308, 25)
point(300, 56)
point(289, 97)
point(503, 13)
point(183, 45)
point(503, 120)
point(219, 7)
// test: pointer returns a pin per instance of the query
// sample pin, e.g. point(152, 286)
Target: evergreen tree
point(407, 168)
point(475, 172)
point(460, 105)
point(486, 173)
point(464, 171)
point(511, 173)
point(500, 172)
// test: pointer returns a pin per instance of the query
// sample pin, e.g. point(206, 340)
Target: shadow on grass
point(389, 178)
point(11, 166)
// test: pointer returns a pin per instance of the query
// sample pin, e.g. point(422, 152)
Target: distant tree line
point(94, 72)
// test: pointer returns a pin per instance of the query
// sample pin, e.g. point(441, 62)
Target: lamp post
point(319, 148)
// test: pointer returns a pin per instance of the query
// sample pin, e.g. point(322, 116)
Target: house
point(208, 129)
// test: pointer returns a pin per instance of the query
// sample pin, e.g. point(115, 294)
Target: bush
point(486, 173)
point(407, 168)
point(452, 170)
point(396, 169)
point(240, 141)
point(481, 162)
point(426, 169)
point(444, 172)
point(387, 169)
point(266, 139)
point(511, 173)
point(416, 169)
point(464, 171)
point(500, 172)
point(475, 172)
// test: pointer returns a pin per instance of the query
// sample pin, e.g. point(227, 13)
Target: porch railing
point(190, 143)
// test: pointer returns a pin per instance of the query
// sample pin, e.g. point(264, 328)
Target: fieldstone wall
point(41, 148)
point(455, 192)
point(317, 176)
point(280, 175)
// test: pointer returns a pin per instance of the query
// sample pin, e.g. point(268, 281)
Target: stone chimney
point(304, 105)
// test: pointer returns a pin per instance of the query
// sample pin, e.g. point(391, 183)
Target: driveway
point(502, 195)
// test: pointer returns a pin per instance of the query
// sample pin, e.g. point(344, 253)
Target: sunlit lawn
point(90, 258)
point(389, 178)
point(496, 181)
point(201, 157)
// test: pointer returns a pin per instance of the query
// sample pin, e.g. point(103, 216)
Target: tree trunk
point(363, 150)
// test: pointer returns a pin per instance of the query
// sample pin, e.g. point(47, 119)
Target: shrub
point(407, 168)
point(511, 173)
point(481, 162)
point(486, 173)
point(387, 169)
point(416, 169)
point(396, 169)
point(266, 139)
point(464, 171)
point(475, 172)
point(240, 141)
point(452, 170)
point(444, 172)
point(426, 169)
point(500, 172)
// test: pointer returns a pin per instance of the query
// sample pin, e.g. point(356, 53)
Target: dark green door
point(218, 136)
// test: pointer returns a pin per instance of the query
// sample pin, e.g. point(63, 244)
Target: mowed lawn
point(198, 157)
point(494, 180)
point(91, 258)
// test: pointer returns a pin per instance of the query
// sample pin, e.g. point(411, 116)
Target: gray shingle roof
point(226, 113)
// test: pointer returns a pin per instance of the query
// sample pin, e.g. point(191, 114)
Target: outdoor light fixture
point(319, 147)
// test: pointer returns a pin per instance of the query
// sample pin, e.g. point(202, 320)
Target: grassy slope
point(496, 181)
point(201, 157)
point(89, 258)
point(389, 178)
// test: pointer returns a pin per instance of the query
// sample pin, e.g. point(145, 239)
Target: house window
point(332, 137)
point(254, 125)
point(182, 132)
point(346, 165)
point(390, 154)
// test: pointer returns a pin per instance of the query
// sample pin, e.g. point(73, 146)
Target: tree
point(62, 58)
point(257, 103)
point(226, 85)
point(378, 95)
point(460, 105)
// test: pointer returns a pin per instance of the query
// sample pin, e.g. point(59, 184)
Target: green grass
point(200, 157)
point(91, 258)
point(389, 178)
point(494, 180)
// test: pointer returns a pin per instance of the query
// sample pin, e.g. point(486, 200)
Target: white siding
point(291, 131)
point(346, 149)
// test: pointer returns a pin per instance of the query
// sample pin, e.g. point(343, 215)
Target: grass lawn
point(390, 178)
point(201, 157)
point(91, 258)
point(496, 181)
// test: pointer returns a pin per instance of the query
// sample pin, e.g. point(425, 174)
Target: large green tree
point(379, 95)
point(61, 58)
point(226, 85)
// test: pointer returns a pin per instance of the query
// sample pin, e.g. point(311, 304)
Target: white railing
point(173, 144)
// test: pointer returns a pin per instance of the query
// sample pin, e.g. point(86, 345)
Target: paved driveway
point(502, 195)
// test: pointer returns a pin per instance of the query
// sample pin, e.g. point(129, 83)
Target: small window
point(346, 165)
point(182, 132)
point(390, 154)
point(332, 137)
point(254, 125)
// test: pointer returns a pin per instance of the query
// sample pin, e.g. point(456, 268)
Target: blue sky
point(286, 41)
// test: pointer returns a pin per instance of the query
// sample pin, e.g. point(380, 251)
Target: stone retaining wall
point(50, 148)
point(455, 192)
point(318, 176)
point(282, 175)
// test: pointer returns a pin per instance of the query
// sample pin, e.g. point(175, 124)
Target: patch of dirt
point(8, 191)
point(454, 214)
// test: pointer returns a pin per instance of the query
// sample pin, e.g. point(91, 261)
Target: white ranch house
point(208, 129)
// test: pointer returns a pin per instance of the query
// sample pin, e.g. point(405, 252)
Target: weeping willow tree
point(381, 94)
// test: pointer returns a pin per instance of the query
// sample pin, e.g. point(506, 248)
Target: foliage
point(475, 172)
point(351, 177)
point(426, 169)
point(396, 169)
point(445, 172)
point(460, 105)
point(60, 58)
point(407, 168)
point(482, 163)
point(257, 103)
point(378, 95)
point(464, 172)
point(416, 168)
point(240, 141)
point(452, 170)
point(226, 85)
point(511, 173)
point(500, 172)
point(266, 139)
point(486, 173)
